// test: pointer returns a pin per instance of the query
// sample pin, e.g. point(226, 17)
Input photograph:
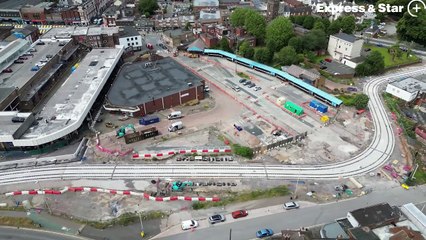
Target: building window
point(131, 39)
point(128, 44)
point(128, 39)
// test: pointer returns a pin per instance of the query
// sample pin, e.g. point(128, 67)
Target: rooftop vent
point(93, 63)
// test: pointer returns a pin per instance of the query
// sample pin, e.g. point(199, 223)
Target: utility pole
point(142, 231)
point(230, 234)
point(44, 197)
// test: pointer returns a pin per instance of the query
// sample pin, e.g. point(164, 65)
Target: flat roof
point(136, 84)
point(68, 32)
point(7, 127)
point(17, 4)
point(66, 110)
point(22, 72)
point(410, 84)
point(9, 49)
point(374, 214)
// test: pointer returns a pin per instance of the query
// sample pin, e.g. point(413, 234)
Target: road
point(26, 234)
point(374, 156)
point(303, 217)
point(389, 43)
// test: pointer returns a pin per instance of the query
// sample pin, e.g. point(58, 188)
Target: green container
point(294, 108)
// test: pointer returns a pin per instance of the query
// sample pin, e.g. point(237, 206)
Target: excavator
point(179, 186)
point(122, 130)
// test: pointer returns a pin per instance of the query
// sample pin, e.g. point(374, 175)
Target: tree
point(309, 22)
point(238, 17)
point(395, 51)
point(334, 27)
point(319, 25)
point(278, 32)
point(315, 40)
point(347, 24)
point(262, 55)
point(287, 56)
point(297, 43)
point(255, 24)
point(224, 45)
point(147, 7)
point(299, 20)
point(326, 23)
point(246, 50)
point(373, 64)
point(413, 28)
point(361, 101)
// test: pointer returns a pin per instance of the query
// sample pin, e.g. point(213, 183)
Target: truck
point(175, 126)
point(149, 119)
point(174, 115)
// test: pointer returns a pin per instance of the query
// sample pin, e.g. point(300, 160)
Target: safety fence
point(282, 143)
point(142, 155)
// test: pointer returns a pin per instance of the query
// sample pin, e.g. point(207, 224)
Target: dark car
point(251, 85)
point(23, 58)
point(238, 127)
point(239, 214)
point(18, 119)
point(267, 232)
point(41, 43)
point(7, 70)
point(28, 54)
point(242, 80)
point(247, 83)
point(323, 67)
point(216, 218)
point(328, 60)
point(379, 45)
point(18, 61)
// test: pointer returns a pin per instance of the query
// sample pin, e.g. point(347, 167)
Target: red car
point(328, 60)
point(7, 70)
point(239, 214)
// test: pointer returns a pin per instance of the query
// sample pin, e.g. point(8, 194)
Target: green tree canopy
point(255, 24)
point(373, 64)
point(297, 43)
point(319, 25)
point(278, 32)
point(246, 50)
point(147, 7)
point(287, 56)
point(315, 40)
point(334, 27)
point(361, 101)
point(309, 22)
point(224, 45)
point(238, 17)
point(262, 55)
point(413, 28)
point(348, 24)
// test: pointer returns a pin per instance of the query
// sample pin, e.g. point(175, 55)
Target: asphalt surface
point(303, 217)
point(26, 234)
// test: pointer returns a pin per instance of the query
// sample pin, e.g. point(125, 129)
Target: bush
point(243, 151)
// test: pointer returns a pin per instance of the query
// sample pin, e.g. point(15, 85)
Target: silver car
point(216, 218)
point(291, 205)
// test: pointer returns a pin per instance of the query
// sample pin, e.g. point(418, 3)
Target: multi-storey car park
point(65, 111)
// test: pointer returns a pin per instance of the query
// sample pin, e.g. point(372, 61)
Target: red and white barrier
point(142, 155)
point(114, 192)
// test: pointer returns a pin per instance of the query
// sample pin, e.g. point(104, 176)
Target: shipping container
point(322, 108)
point(313, 104)
point(294, 108)
point(150, 119)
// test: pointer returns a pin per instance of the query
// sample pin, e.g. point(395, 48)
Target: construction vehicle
point(110, 125)
point(179, 186)
point(122, 130)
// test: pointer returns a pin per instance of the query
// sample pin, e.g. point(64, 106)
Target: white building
point(345, 48)
point(129, 37)
point(406, 89)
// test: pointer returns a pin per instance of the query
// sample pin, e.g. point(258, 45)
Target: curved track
point(377, 153)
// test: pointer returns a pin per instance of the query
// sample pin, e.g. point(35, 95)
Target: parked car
point(251, 85)
point(239, 214)
point(277, 133)
point(322, 61)
point(216, 218)
point(18, 61)
point(206, 89)
point(266, 232)
point(379, 45)
point(28, 54)
point(23, 58)
point(18, 119)
point(239, 128)
point(405, 49)
point(328, 60)
point(257, 88)
point(236, 88)
point(247, 83)
point(323, 67)
point(61, 44)
point(32, 50)
point(352, 89)
point(7, 70)
point(41, 43)
point(189, 224)
point(291, 205)
point(242, 80)
point(367, 49)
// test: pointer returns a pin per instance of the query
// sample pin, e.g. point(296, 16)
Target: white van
point(175, 126)
point(174, 115)
point(189, 224)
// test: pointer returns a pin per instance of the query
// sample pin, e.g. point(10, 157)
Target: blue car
point(264, 233)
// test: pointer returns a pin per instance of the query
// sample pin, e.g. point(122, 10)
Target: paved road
point(389, 43)
point(303, 217)
point(21, 234)
point(376, 154)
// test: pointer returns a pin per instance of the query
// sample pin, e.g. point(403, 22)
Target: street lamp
point(44, 197)
point(142, 231)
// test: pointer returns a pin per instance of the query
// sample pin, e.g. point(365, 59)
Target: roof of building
point(136, 84)
point(8, 128)
point(176, 32)
point(410, 85)
point(5, 92)
point(293, 3)
point(7, 52)
point(391, 231)
point(128, 31)
point(206, 3)
point(300, 72)
point(198, 45)
point(346, 37)
point(295, 10)
point(333, 230)
point(66, 110)
point(207, 14)
point(17, 4)
point(363, 233)
point(68, 32)
point(375, 214)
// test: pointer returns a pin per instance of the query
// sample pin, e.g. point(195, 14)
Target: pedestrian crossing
point(42, 28)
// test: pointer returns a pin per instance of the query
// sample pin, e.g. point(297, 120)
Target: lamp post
point(142, 231)
point(44, 197)
point(236, 53)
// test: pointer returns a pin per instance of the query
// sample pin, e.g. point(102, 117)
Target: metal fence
point(281, 143)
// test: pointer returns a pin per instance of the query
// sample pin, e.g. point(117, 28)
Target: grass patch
point(127, 219)
point(388, 57)
point(17, 222)
point(347, 81)
point(244, 197)
point(242, 151)
point(420, 176)
point(243, 75)
point(406, 123)
point(13, 208)
point(321, 57)
point(348, 100)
